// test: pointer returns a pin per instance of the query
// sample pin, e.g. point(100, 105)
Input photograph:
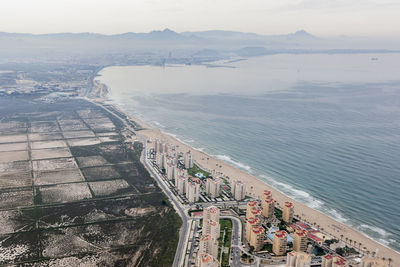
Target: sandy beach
point(255, 187)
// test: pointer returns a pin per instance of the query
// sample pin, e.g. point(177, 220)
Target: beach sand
point(255, 187)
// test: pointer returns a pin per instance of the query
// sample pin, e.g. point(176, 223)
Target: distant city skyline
point(320, 17)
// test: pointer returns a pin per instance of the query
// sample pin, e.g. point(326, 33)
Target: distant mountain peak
point(302, 33)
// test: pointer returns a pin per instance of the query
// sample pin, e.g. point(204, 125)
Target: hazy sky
point(320, 17)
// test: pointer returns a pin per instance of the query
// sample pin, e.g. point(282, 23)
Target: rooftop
point(288, 204)
point(281, 234)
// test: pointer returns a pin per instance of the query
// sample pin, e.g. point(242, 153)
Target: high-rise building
point(250, 205)
point(255, 212)
point(209, 245)
point(300, 241)
point(170, 171)
point(257, 237)
point(266, 195)
point(213, 187)
point(298, 259)
point(160, 160)
point(327, 261)
point(268, 207)
point(279, 244)
point(211, 213)
point(288, 211)
point(181, 184)
point(238, 190)
point(188, 160)
point(206, 260)
point(250, 223)
point(192, 191)
point(212, 228)
point(156, 149)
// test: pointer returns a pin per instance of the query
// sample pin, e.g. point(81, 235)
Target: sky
point(380, 18)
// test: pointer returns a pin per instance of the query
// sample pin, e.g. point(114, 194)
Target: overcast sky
point(319, 17)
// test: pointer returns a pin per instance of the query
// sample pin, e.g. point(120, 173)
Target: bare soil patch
point(16, 198)
point(48, 144)
point(83, 142)
point(50, 153)
point(105, 188)
point(19, 179)
point(13, 138)
point(91, 161)
point(78, 134)
point(58, 177)
point(13, 147)
point(62, 193)
point(14, 156)
point(44, 127)
point(54, 164)
point(44, 136)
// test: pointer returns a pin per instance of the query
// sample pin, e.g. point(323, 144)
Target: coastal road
point(183, 235)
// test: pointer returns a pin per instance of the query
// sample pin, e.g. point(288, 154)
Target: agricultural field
point(73, 191)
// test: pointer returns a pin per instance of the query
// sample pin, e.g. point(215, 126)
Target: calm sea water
point(324, 129)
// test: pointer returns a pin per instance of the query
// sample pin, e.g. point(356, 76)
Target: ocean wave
point(297, 194)
point(233, 162)
point(335, 214)
point(375, 229)
point(157, 124)
point(377, 234)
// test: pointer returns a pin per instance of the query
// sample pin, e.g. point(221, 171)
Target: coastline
point(255, 187)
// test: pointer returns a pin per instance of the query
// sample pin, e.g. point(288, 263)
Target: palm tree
point(341, 237)
point(390, 261)
point(359, 245)
point(346, 239)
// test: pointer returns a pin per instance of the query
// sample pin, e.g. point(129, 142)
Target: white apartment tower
point(238, 190)
point(192, 191)
point(213, 187)
point(181, 184)
point(188, 160)
point(170, 171)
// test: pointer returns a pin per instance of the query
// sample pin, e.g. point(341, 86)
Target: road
point(183, 235)
point(180, 250)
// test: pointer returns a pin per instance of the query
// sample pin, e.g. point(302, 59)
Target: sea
point(323, 129)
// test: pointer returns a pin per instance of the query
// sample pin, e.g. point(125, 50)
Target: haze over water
point(324, 129)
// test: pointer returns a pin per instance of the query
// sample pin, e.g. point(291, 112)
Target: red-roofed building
point(288, 212)
point(315, 238)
